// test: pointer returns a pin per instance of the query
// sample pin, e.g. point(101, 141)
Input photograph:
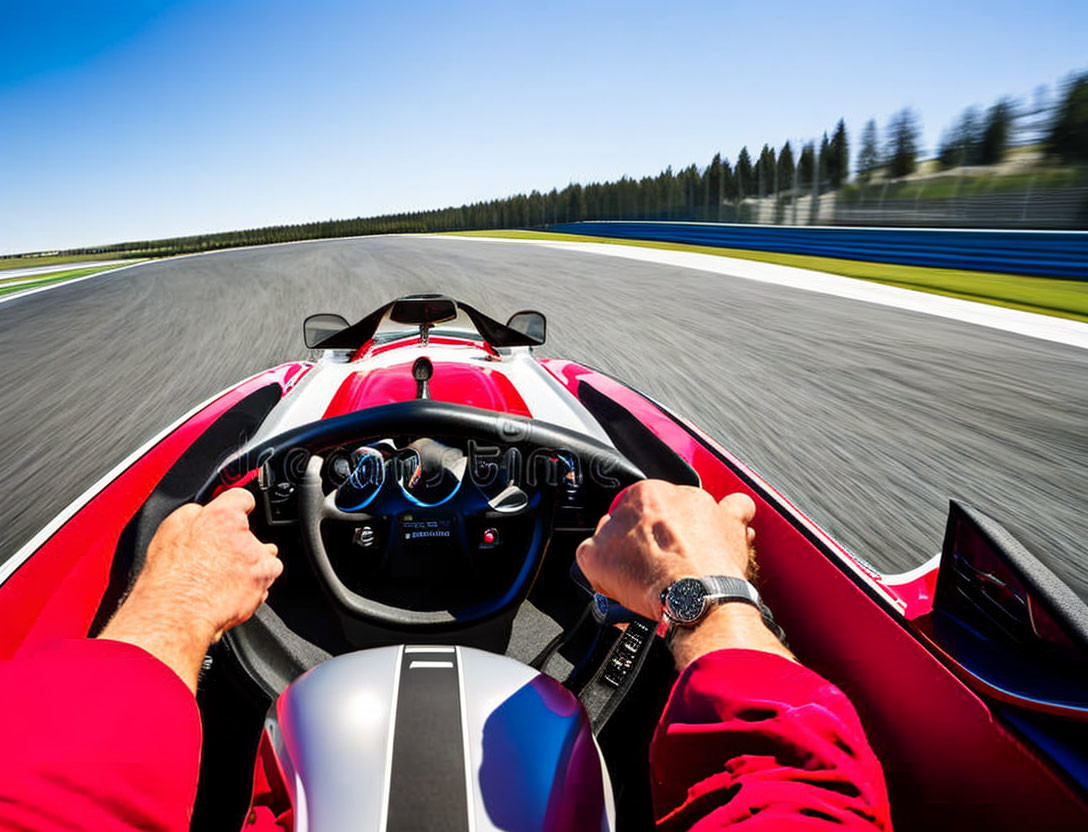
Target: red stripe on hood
point(452, 382)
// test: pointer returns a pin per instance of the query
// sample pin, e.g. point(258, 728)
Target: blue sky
point(124, 120)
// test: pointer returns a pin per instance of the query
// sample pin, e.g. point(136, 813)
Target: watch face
point(685, 600)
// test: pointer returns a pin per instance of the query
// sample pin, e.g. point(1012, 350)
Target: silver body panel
point(332, 732)
point(525, 756)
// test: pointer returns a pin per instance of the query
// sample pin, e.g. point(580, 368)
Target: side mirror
point(1007, 622)
point(318, 328)
point(530, 324)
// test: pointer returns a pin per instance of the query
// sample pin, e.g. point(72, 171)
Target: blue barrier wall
point(1061, 254)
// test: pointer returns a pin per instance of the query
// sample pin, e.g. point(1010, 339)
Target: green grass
point(15, 284)
point(1044, 295)
point(54, 260)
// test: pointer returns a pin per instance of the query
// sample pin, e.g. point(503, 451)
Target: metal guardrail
point(1064, 209)
point(1062, 254)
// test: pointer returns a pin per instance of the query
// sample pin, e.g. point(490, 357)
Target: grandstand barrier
point(1062, 254)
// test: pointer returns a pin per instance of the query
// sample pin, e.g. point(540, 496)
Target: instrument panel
point(428, 473)
point(424, 523)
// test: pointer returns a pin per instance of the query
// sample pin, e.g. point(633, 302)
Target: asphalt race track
point(868, 417)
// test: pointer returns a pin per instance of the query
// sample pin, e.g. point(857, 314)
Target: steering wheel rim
point(315, 507)
point(421, 417)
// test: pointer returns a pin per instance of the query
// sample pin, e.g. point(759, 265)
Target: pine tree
point(806, 165)
point(823, 162)
point(729, 181)
point(744, 173)
point(785, 167)
point(903, 138)
point(997, 132)
point(688, 182)
point(962, 144)
point(1068, 135)
point(765, 170)
point(838, 163)
point(714, 183)
point(869, 154)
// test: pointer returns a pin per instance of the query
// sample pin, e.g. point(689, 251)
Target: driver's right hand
point(657, 532)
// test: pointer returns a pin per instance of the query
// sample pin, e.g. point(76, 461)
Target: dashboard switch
point(340, 469)
point(489, 539)
point(364, 537)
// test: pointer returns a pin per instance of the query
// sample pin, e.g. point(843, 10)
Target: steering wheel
point(428, 418)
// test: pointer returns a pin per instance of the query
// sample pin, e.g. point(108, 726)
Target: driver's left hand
point(210, 563)
point(205, 573)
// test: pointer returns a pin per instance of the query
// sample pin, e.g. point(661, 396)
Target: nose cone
point(438, 737)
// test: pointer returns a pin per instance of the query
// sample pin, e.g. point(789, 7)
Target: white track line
point(9, 566)
point(28, 292)
point(1045, 327)
point(1030, 324)
point(57, 267)
point(62, 283)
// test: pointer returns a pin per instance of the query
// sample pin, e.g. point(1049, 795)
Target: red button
point(490, 535)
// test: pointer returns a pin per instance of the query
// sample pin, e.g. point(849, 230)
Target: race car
point(427, 477)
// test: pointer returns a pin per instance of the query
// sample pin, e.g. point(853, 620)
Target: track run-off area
point(867, 416)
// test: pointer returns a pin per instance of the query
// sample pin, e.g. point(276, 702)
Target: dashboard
point(425, 523)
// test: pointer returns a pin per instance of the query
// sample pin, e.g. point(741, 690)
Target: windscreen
point(459, 327)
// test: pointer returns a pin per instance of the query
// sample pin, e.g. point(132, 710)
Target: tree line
point(713, 192)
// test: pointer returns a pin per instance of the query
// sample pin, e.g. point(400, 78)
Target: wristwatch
point(687, 601)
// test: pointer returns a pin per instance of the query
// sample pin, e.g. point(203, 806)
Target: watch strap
point(725, 588)
point(721, 588)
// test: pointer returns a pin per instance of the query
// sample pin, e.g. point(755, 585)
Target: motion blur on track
point(868, 418)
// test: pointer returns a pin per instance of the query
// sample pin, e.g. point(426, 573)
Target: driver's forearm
point(159, 626)
point(728, 626)
point(97, 736)
point(749, 739)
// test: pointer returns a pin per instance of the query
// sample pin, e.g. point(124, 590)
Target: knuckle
point(182, 515)
point(232, 503)
point(693, 493)
point(242, 499)
point(654, 493)
point(581, 554)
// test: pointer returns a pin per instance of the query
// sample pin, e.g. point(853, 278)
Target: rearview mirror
point(530, 324)
point(318, 328)
point(423, 310)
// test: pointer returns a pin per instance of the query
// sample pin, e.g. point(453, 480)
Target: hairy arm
point(205, 573)
point(104, 733)
point(749, 737)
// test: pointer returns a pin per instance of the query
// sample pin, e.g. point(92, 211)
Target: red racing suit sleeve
point(96, 735)
point(753, 740)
